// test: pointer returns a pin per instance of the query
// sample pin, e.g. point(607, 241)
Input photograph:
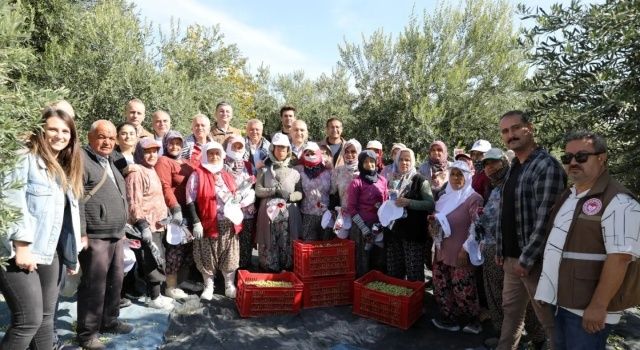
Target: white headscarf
point(400, 181)
point(235, 155)
point(214, 168)
point(352, 142)
point(452, 199)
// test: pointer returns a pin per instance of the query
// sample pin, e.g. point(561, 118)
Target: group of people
point(498, 231)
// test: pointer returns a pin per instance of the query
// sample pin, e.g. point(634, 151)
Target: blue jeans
point(570, 335)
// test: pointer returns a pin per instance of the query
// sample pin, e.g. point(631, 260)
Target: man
point(103, 215)
point(533, 184)
point(299, 138)
point(134, 113)
point(594, 230)
point(257, 149)
point(161, 122)
point(334, 140)
point(200, 134)
point(223, 128)
point(287, 117)
point(480, 181)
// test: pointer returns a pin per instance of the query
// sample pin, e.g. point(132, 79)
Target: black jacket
point(105, 214)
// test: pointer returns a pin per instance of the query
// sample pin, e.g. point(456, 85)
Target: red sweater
point(207, 199)
point(173, 177)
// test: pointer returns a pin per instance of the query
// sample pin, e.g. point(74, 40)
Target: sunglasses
point(580, 157)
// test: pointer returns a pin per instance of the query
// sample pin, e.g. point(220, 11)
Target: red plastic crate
point(328, 291)
point(398, 311)
point(312, 259)
point(254, 301)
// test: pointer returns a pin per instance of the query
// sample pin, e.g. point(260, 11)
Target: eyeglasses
point(580, 157)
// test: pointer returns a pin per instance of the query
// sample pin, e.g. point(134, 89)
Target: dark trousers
point(99, 290)
point(32, 298)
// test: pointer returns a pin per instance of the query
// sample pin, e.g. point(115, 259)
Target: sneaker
point(445, 325)
point(230, 291)
point(176, 293)
point(124, 302)
point(92, 344)
point(473, 328)
point(161, 303)
point(207, 293)
point(120, 328)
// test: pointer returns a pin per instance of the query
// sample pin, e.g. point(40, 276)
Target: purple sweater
point(364, 198)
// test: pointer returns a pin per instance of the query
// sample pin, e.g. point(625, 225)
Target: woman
point(147, 211)
point(342, 176)
point(216, 247)
point(453, 276)
point(364, 195)
point(278, 216)
point(390, 169)
point(174, 172)
point(435, 168)
point(51, 171)
point(242, 172)
point(376, 147)
point(407, 240)
point(316, 183)
point(123, 152)
point(482, 231)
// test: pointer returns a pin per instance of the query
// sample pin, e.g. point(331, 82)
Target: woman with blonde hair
point(50, 170)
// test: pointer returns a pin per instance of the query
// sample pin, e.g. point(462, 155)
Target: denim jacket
point(41, 202)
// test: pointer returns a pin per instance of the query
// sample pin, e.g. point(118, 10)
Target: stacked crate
point(400, 311)
point(327, 271)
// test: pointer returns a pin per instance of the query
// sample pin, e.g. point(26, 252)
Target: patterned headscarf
point(171, 134)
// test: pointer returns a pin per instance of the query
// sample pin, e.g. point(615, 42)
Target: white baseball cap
point(311, 146)
point(481, 146)
point(374, 144)
point(280, 139)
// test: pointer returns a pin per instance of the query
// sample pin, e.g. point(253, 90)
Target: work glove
point(198, 230)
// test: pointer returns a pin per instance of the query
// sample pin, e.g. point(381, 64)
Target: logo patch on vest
point(592, 206)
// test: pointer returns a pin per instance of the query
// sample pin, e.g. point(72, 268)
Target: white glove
point(198, 231)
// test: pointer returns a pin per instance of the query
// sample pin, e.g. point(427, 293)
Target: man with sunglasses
point(593, 235)
point(531, 187)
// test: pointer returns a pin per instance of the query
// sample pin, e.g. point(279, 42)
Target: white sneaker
point(176, 293)
point(207, 293)
point(230, 291)
point(161, 303)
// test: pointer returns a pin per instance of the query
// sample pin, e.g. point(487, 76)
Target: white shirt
point(620, 230)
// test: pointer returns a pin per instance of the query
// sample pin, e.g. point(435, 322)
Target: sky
point(293, 35)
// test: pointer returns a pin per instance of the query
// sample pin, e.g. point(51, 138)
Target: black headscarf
point(368, 176)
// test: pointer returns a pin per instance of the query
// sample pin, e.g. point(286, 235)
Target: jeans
point(569, 334)
point(32, 298)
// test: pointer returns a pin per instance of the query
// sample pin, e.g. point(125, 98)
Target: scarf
point(452, 199)
point(402, 180)
point(214, 168)
point(442, 161)
point(352, 165)
point(272, 163)
point(171, 134)
point(368, 176)
point(498, 177)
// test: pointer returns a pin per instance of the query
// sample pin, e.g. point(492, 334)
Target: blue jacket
point(40, 202)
